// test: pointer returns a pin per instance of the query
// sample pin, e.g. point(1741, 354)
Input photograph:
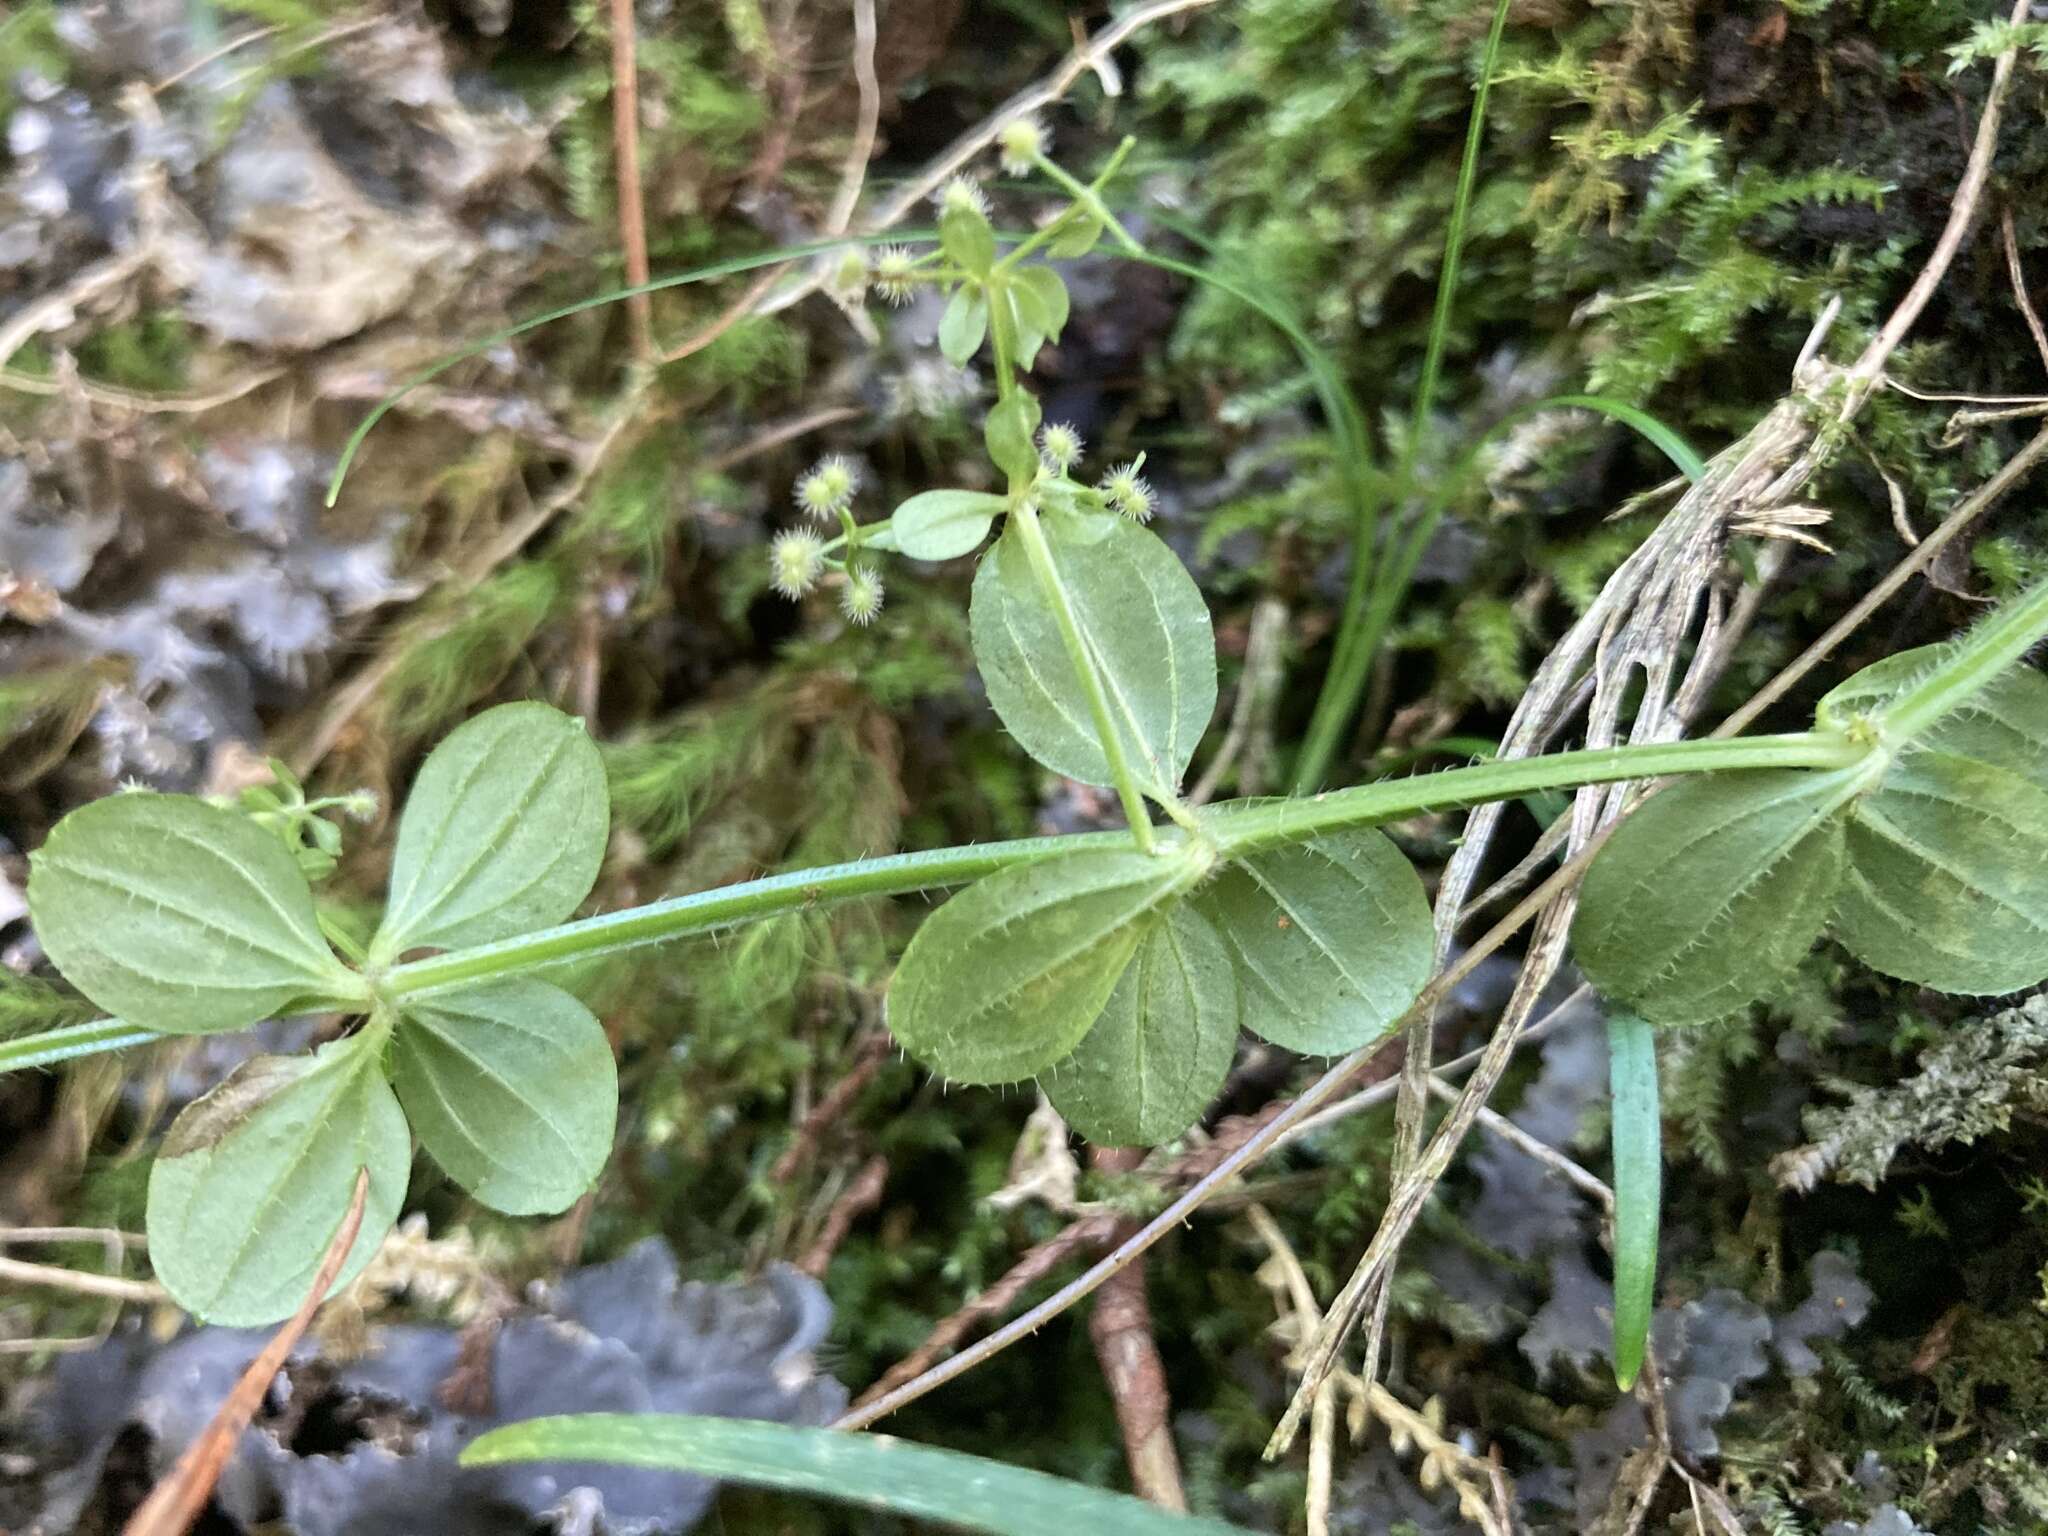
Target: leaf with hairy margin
point(1713, 891)
point(1006, 978)
point(1331, 939)
point(1159, 1053)
point(1948, 875)
point(504, 832)
point(254, 1179)
point(942, 525)
point(1147, 627)
point(177, 915)
point(511, 1086)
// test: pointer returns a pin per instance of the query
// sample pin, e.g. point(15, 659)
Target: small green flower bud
point(794, 560)
point(1060, 446)
point(861, 598)
point(827, 490)
point(1126, 491)
point(894, 275)
point(1020, 144)
point(961, 193)
point(850, 277)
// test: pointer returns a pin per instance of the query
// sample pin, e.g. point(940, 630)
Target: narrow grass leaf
point(1330, 939)
point(1637, 1131)
point(877, 1471)
point(178, 915)
point(1158, 1055)
point(511, 1086)
point(504, 832)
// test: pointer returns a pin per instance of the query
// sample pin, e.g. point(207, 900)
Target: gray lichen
point(1968, 1087)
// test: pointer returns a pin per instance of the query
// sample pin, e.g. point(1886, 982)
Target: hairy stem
point(1979, 656)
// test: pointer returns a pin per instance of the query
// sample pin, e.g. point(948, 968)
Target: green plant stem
point(52, 1046)
point(1244, 829)
point(1351, 661)
point(1088, 199)
point(1025, 520)
point(1091, 197)
point(1237, 830)
point(707, 911)
point(2013, 629)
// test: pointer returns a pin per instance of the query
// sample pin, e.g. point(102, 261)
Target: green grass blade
point(874, 1470)
point(731, 266)
point(1358, 634)
point(1638, 1186)
point(1665, 439)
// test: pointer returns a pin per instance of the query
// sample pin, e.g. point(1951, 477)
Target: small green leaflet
point(512, 1088)
point(1011, 435)
point(967, 238)
point(1149, 630)
point(179, 916)
point(964, 324)
point(1006, 978)
point(1038, 310)
point(1948, 877)
point(2005, 724)
point(1077, 239)
point(1713, 891)
point(1330, 939)
point(943, 525)
point(1159, 1053)
point(1637, 1132)
point(879, 1471)
point(253, 1180)
point(504, 832)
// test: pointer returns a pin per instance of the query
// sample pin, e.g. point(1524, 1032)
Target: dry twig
point(1120, 1328)
point(176, 1501)
point(626, 149)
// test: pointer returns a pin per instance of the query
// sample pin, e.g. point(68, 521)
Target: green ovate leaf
point(1144, 620)
point(1041, 300)
point(1637, 1131)
point(964, 325)
point(254, 1179)
point(1011, 433)
point(1948, 871)
point(1077, 239)
point(942, 525)
point(1330, 939)
point(874, 1470)
point(2005, 726)
point(1005, 979)
point(511, 1086)
point(967, 238)
point(1159, 1053)
point(178, 915)
point(1713, 891)
point(503, 834)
